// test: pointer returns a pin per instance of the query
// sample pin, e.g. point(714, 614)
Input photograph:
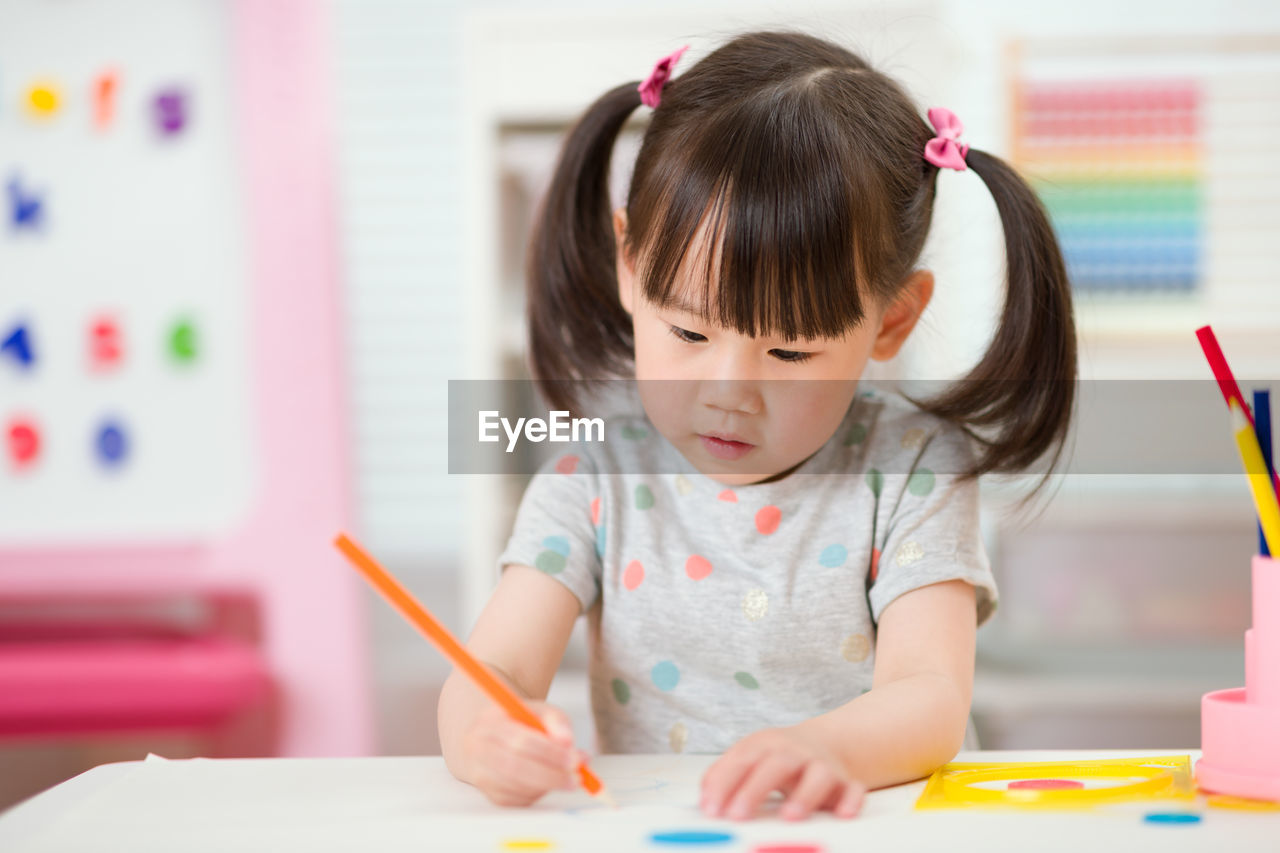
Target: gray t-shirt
point(715, 612)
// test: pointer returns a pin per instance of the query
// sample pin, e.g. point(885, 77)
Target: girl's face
point(742, 409)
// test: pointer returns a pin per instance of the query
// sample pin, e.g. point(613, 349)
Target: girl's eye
point(790, 355)
point(687, 336)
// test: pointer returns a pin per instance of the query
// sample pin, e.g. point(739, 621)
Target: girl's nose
point(733, 386)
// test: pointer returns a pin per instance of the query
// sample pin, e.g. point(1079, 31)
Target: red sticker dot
point(767, 519)
point(595, 512)
point(728, 496)
point(875, 563)
point(633, 575)
point(697, 567)
point(567, 464)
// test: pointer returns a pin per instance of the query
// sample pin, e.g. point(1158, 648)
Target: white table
point(414, 804)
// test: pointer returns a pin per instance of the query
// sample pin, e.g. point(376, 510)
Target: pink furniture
point(1240, 727)
point(282, 636)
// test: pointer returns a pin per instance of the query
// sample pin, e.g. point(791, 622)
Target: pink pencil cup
point(1240, 728)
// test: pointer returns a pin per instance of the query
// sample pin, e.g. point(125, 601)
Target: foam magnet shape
point(183, 341)
point(106, 349)
point(24, 442)
point(104, 99)
point(26, 209)
point(43, 99)
point(112, 444)
point(17, 346)
point(171, 111)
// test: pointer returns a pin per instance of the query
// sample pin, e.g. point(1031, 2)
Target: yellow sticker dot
point(527, 844)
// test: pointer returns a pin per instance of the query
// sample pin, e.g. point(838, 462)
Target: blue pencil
point(1262, 426)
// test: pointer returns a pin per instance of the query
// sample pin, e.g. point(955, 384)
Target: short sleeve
point(555, 530)
point(932, 532)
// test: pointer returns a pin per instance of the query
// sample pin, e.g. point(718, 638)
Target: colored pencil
point(449, 646)
point(1262, 426)
point(1227, 382)
point(1256, 470)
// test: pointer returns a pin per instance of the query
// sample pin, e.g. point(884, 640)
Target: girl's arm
point(913, 719)
point(521, 634)
point(910, 723)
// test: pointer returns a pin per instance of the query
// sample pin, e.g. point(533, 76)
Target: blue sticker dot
point(600, 541)
point(111, 444)
point(833, 555)
point(559, 544)
point(691, 836)
point(665, 675)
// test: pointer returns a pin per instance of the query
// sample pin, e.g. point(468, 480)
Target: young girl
point(774, 566)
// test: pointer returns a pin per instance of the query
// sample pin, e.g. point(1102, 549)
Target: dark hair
point(809, 165)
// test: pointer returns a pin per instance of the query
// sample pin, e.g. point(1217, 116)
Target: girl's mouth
point(722, 448)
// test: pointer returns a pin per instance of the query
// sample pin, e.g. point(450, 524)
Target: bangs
point(766, 191)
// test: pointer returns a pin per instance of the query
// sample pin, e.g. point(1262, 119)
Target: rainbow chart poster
point(1155, 161)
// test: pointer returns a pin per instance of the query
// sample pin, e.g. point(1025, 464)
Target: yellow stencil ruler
point(966, 785)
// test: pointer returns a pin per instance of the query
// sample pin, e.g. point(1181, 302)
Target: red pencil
point(1227, 382)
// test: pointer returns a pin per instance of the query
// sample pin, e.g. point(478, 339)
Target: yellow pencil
point(1255, 468)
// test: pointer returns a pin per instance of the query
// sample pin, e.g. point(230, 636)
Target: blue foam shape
point(1171, 817)
point(691, 836)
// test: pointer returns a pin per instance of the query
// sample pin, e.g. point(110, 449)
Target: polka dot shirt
point(715, 612)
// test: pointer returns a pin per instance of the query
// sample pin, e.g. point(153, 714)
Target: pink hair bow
point(946, 149)
point(651, 88)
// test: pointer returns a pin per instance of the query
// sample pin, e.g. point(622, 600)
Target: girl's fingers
point(769, 774)
point(536, 746)
point(559, 728)
point(850, 802)
point(525, 760)
point(724, 777)
point(846, 800)
point(816, 785)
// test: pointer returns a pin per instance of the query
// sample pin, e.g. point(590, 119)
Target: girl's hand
point(783, 760)
point(515, 765)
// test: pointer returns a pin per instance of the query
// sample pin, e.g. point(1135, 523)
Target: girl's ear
point(901, 316)
point(626, 270)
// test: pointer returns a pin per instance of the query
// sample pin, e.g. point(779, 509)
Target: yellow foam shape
point(527, 844)
point(1162, 777)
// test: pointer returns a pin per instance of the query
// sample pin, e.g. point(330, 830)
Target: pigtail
point(578, 329)
point(1019, 397)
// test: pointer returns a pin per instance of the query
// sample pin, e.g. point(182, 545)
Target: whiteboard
point(142, 430)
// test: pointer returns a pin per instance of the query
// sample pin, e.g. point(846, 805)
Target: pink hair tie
point(651, 88)
point(946, 149)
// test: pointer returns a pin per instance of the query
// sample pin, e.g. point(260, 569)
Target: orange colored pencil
point(449, 646)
